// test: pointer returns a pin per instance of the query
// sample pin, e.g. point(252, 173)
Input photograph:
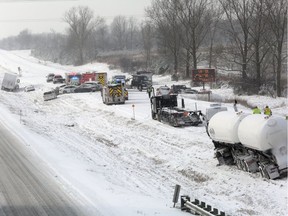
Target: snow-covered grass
point(130, 167)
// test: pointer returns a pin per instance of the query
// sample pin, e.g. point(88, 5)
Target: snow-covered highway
point(121, 166)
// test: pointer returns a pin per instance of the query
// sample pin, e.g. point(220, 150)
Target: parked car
point(189, 91)
point(58, 79)
point(57, 89)
point(85, 88)
point(176, 89)
point(49, 77)
point(49, 95)
point(163, 90)
point(98, 86)
point(29, 88)
point(67, 89)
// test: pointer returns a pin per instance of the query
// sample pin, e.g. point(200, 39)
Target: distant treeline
point(249, 36)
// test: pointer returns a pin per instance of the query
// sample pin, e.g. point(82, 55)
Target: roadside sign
point(203, 75)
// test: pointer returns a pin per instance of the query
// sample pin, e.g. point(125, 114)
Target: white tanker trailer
point(254, 142)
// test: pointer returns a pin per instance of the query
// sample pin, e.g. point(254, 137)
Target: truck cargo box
point(10, 82)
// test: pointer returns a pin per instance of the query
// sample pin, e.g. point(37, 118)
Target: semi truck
point(253, 142)
point(10, 82)
point(164, 108)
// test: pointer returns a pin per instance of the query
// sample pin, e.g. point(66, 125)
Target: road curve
point(26, 189)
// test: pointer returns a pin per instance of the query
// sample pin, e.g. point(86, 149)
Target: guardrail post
point(196, 202)
point(208, 208)
point(184, 199)
point(176, 194)
point(202, 204)
point(215, 211)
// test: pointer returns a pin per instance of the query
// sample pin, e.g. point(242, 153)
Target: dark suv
point(140, 82)
point(50, 77)
point(176, 89)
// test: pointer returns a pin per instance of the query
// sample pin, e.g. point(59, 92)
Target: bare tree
point(277, 19)
point(25, 39)
point(81, 23)
point(132, 31)
point(238, 15)
point(102, 36)
point(196, 17)
point(216, 14)
point(119, 32)
point(147, 35)
point(164, 17)
point(259, 36)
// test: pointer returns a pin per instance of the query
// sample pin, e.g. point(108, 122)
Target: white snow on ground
point(130, 167)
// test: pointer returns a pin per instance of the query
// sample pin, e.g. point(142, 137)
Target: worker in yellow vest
point(267, 111)
point(256, 110)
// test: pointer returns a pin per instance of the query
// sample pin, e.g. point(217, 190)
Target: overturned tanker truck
point(254, 142)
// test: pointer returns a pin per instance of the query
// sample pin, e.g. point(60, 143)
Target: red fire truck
point(88, 77)
point(73, 78)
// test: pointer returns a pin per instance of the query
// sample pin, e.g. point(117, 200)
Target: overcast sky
point(46, 15)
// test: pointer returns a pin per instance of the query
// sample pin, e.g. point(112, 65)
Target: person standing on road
point(149, 90)
point(235, 106)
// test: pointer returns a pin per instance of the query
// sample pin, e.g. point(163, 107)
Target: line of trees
point(252, 32)
point(249, 36)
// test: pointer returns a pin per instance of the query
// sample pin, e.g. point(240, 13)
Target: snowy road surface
point(123, 166)
point(27, 186)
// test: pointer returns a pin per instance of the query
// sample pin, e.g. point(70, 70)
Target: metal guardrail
point(196, 207)
point(199, 208)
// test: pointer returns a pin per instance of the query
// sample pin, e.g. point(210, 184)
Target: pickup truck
point(58, 79)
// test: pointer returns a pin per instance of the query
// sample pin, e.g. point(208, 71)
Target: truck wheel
point(159, 117)
point(153, 115)
point(195, 119)
point(173, 122)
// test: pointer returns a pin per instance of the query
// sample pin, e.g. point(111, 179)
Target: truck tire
point(195, 119)
point(173, 122)
point(153, 115)
point(159, 116)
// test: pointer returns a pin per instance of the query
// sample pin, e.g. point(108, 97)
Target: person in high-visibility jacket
point(267, 111)
point(256, 110)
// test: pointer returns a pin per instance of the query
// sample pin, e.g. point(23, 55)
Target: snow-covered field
point(130, 167)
